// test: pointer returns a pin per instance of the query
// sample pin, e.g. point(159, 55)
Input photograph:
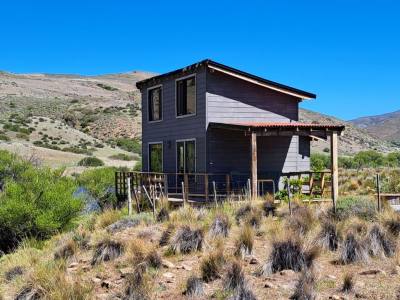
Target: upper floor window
point(186, 96)
point(155, 104)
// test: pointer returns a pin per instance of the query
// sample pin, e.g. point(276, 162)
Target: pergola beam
point(334, 169)
point(254, 177)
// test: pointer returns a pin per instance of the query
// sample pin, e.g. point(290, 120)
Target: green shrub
point(107, 87)
point(4, 137)
point(320, 162)
point(91, 162)
point(131, 145)
point(75, 149)
point(122, 156)
point(36, 202)
point(100, 183)
point(138, 166)
point(361, 207)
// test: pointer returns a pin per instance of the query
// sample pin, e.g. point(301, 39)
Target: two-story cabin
point(211, 118)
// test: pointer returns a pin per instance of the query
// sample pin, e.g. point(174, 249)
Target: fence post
point(289, 196)
point(378, 191)
point(228, 184)
point(183, 193)
point(215, 193)
point(206, 186)
point(186, 180)
point(129, 197)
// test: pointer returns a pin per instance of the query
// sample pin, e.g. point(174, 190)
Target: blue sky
point(347, 52)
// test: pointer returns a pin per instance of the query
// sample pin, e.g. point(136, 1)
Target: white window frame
point(162, 155)
point(148, 102)
point(184, 151)
point(195, 96)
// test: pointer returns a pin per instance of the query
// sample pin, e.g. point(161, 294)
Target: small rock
point(86, 268)
point(184, 267)
point(331, 276)
point(73, 265)
point(125, 271)
point(106, 284)
point(396, 270)
point(253, 261)
point(360, 296)
point(168, 275)
point(372, 272)
point(269, 285)
point(335, 297)
point(167, 264)
point(96, 280)
point(287, 272)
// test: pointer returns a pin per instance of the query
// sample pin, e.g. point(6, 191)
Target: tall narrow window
point(186, 96)
point(156, 157)
point(155, 104)
point(186, 156)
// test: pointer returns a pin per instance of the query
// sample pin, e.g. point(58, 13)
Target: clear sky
point(347, 52)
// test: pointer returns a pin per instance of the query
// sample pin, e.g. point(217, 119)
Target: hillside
point(42, 114)
point(354, 139)
point(386, 126)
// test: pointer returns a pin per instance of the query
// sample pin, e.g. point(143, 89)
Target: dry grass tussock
point(194, 287)
point(220, 226)
point(107, 250)
point(353, 249)
point(211, 265)
point(329, 236)
point(305, 287)
point(348, 283)
point(66, 249)
point(138, 284)
point(187, 239)
point(166, 235)
point(302, 219)
point(379, 242)
point(234, 277)
point(107, 218)
point(245, 241)
point(290, 253)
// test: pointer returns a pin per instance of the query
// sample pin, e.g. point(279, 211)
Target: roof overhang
point(215, 66)
point(319, 131)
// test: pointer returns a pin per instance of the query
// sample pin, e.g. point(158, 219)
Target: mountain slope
point(85, 111)
point(353, 140)
point(386, 126)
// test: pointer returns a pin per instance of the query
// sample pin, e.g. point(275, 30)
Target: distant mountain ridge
point(108, 106)
point(385, 126)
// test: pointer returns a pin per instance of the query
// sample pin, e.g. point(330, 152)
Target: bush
point(320, 162)
point(220, 226)
point(328, 238)
point(194, 287)
point(122, 156)
point(305, 287)
point(99, 183)
point(245, 241)
point(132, 145)
point(211, 265)
point(36, 202)
point(234, 277)
point(361, 207)
point(187, 240)
point(106, 250)
point(4, 137)
point(353, 250)
point(91, 162)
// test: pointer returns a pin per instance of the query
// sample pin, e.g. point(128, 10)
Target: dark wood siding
point(233, 100)
point(171, 128)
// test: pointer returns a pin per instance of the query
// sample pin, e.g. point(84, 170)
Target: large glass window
point(186, 156)
point(155, 104)
point(186, 96)
point(156, 157)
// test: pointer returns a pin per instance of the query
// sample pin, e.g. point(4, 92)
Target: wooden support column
point(334, 169)
point(254, 178)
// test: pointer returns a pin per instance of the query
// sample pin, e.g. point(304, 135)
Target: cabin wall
point(171, 128)
point(231, 99)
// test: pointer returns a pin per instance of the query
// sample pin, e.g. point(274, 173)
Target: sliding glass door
point(186, 156)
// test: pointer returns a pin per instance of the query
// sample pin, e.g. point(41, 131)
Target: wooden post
point(228, 184)
point(289, 195)
point(334, 169)
point(206, 186)
point(183, 194)
point(186, 182)
point(166, 186)
point(254, 165)
point(215, 193)
point(129, 197)
point(378, 191)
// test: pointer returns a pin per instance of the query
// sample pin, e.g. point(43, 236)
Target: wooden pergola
point(314, 131)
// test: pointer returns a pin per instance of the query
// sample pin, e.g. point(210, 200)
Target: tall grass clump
point(220, 226)
point(379, 242)
point(329, 237)
point(245, 241)
point(138, 284)
point(187, 240)
point(35, 202)
point(289, 253)
point(353, 250)
point(211, 265)
point(106, 250)
point(234, 277)
point(302, 220)
point(361, 207)
point(194, 287)
point(305, 287)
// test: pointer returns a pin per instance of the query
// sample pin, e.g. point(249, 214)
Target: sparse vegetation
point(91, 162)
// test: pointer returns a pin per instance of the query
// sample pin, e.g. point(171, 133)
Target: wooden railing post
point(206, 186)
point(334, 166)
point(378, 191)
point(228, 184)
point(186, 183)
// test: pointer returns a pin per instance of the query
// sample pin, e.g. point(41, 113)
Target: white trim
point(195, 96)
point(162, 103)
point(162, 154)
point(184, 153)
point(259, 83)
